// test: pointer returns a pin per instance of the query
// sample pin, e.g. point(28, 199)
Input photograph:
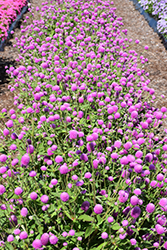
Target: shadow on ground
point(4, 77)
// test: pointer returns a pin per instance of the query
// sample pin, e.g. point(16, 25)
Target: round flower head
point(32, 173)
point(104, 235)
point(9, 124)
point(98, 209)
point(163, 202)
point(160, 229)
point(23, 235)
point(53, 239)
point(73, 134)
point(150, 208)
point(110, 219)
point(125, 223)
point(64, 196)
point(25, 159)
point(54, 181)
point(37, 244)
point(44, 198)
point(10, 238)
point(63, 169)
point(71, 232)
point(133, 242)
point(135, 212)
point(58, 159)
point(123, 196)
point(134, 200)
point(33, 196)
point(88, 175)
point(3, 158)
point(17, 231)
point(160, 177)
point(30, 149)
point(85, 206)
point(24, 211)
point(2, 189)
point(18, 190)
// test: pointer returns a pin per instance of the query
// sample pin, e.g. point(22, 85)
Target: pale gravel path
point(139, 29)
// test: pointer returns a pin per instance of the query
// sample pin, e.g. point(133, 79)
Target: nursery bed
point(137, 27)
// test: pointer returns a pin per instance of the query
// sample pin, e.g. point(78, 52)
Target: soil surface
point(138, 29)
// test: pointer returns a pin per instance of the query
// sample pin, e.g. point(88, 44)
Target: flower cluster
point(159, 10)
point(8, 13)
point(81, 162)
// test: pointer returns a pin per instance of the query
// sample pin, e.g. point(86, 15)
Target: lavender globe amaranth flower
point(24, 211)
point(135, 212)
point(2, 189)
point(64, 196)
point(73, 134)
point(104, 235)
point(37, 244)
point(98, 209)
point(58, 159)
point(44, 198)
point(25, 160)
point(150, 208)
point(85, 206)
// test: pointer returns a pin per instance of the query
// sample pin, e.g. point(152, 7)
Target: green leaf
point(116, 226)
point(100, 220)
point(85, 217)
point(8, 246)
point(88, 232)
point(100, 246)
point(68, 215)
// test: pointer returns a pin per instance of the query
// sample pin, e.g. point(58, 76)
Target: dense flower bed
point(82, 166)
point(159, 10)
point(9, 10)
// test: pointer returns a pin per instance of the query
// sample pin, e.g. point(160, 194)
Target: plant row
point(82, 164)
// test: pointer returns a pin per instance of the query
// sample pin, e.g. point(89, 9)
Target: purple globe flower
point(17, 231)
point(135, 212)
point(110, 219)
point(98, 209)
point(54, 181)
point(45, 239)
point(53, 239)
point(104, 235)
point(72, 232)
point(23, 235)
point(134, 200)
point(18, 190)
point(73, 134)
point(44, 198)
point(25, 159)
point(63, 169)
point(37, 244)
point(85, 206)
point(10, 238)
point(160, 229)
point(64, 196)
point(150, 208)
point(163, 202)
point(2, 189)
point(133, 242)
point(24, 212)
point(123, 196)
point(30, 149)
point(58, 159)
point(3, 158)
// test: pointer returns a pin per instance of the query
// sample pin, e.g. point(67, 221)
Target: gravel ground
point(137, 27)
